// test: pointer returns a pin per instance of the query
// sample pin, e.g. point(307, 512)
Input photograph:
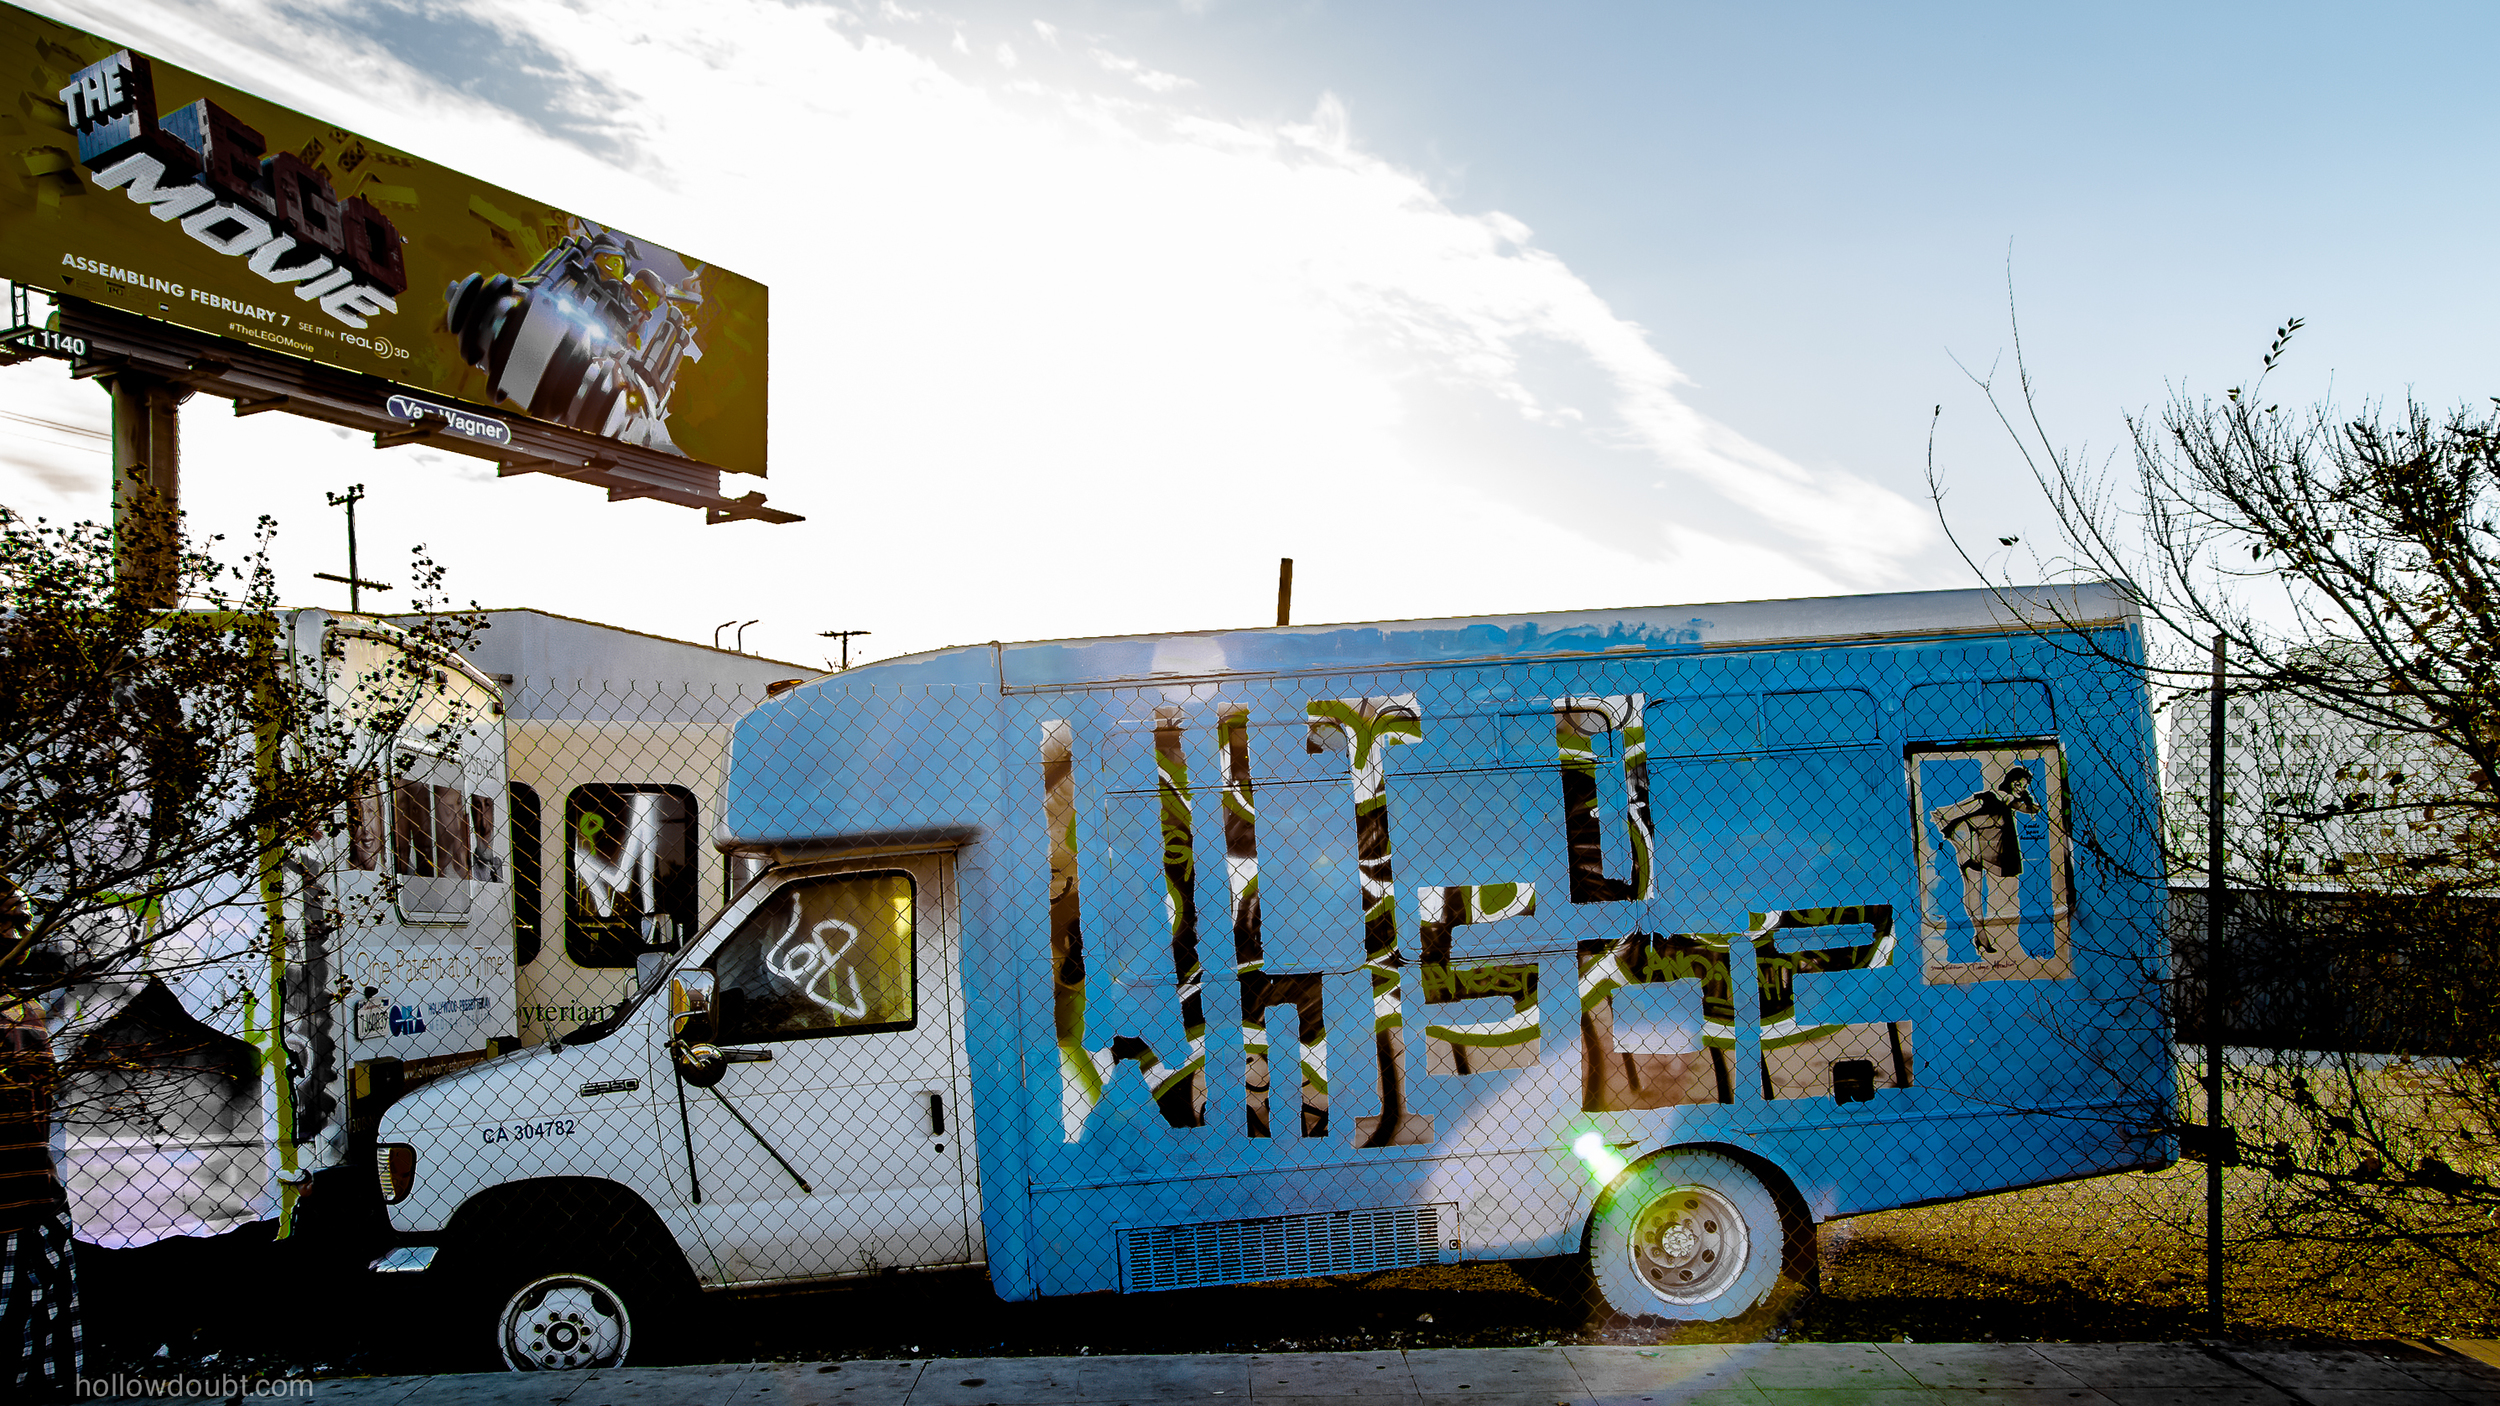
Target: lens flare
point(1604, 1165)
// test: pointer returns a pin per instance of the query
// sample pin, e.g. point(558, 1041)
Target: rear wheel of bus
point(1693, 1235)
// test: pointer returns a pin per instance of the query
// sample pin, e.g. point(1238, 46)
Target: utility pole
point(845, 637)
point(1284, 590)
point(353, 582)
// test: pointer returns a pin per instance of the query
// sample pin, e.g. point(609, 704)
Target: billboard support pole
point(147, 486)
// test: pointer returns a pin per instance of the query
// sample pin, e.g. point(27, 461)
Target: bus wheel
point(1687, 1235)
point(557, 1322)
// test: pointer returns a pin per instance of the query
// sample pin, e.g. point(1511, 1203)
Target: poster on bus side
point(1996, 880)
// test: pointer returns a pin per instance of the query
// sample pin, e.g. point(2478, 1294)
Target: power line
point(79, 430)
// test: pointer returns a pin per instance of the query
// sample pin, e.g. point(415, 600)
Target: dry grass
point(2121, 1256)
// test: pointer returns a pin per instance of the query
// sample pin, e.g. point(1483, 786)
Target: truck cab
point(788, 1103)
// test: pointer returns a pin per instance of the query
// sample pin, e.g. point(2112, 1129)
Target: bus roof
point(1481, 639)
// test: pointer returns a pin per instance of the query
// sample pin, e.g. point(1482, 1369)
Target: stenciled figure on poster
point(1981, 832)
point(1996, 875)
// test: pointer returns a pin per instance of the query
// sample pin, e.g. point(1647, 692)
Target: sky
point(1085, 312)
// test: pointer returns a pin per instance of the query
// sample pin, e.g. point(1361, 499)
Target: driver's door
point(842, 1153)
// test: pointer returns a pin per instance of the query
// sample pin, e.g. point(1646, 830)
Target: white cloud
point(1047, 360)
point(1152, 80)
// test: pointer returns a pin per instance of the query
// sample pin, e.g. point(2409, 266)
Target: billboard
point(145, 187)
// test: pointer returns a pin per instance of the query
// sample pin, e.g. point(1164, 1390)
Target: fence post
point(2214, 1140)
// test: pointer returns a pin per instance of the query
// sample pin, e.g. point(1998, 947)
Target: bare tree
point(2349, 560)
point(163, 776)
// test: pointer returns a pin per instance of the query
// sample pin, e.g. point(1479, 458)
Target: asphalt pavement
point(2398, 1373)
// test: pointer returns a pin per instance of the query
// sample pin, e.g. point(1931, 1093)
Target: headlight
point(395, 1164)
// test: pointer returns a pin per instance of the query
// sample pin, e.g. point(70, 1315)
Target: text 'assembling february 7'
point(202, 167)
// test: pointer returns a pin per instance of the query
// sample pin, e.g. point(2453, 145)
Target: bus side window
point(431, 844)
point(366, 826)
point(412, 829)
point(629, 872)
point(528, 875)
point(1809, 960)
point(453, 840)
point(1990, 708)
point(484, 865)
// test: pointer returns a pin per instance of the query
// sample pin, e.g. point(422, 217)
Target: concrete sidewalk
point(1882, 1374)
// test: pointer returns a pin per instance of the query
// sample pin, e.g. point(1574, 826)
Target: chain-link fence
point(2349, 993)
point(1117, 968)
point(507, 883)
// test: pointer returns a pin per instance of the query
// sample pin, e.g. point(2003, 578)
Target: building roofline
point(808, 669)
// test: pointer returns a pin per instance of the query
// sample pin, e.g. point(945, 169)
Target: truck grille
point(1285, 1247)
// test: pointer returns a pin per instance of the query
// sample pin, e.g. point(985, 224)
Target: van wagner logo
point(467, 424)
point(201, 167)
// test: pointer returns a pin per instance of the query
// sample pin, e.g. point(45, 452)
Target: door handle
point(746, 1055)
point(937, 1115)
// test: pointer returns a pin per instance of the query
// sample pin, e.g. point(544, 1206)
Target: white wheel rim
point(562, 1322)
point(1688, 1244)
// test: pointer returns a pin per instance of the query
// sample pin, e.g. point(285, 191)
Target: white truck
point(1651, 936)
point(184, 1131)
point(515, 878)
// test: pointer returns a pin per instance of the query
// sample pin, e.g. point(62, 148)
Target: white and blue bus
point(1652, 936)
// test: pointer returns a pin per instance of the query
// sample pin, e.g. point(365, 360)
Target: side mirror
point(691, 995)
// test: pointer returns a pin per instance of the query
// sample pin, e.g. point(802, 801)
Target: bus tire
point(1690, 1234)
point(562, 1319)
point(573, 1269)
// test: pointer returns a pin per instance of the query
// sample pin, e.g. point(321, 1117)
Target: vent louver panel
point(1285, 1247)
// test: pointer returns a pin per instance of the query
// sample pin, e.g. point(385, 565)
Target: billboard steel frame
point(255, 380)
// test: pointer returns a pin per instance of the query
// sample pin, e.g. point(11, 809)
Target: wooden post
point(1284, 590)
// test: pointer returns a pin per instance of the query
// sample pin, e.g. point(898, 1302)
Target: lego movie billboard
point(144, 187)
